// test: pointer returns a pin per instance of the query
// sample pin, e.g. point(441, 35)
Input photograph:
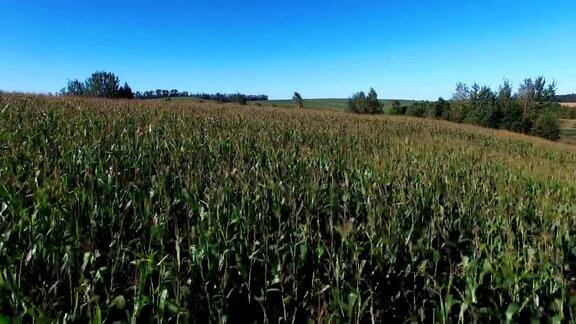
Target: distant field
point(568, 130)
point(329, 104)
point(568, 104)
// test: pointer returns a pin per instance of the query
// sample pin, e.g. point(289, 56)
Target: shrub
point(357, 102)
point(547, 126)
point(373, 104)
point(397, 108)
point(417, 109)
point(440, 108)
point(361, 104)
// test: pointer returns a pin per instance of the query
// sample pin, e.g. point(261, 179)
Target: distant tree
point(397, 108)
point(441, 108)
point(125, 92)
point(374, 106)
point(102, 84)
point(512, 116)
point(158, 93)
point(238, 98)
point(505, 97)
point(418, 109)
point(460, 106)
point(357, 103)
point(534, 94)
point(484, 110)
point(297, 100)
point(565, 98)
point(75, 88)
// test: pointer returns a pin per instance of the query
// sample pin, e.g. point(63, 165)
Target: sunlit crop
point(175, 211)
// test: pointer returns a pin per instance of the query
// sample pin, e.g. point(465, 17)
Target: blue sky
point(404, 49)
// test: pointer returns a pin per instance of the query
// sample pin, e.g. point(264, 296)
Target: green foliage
point(528, 111)
point(184, 212)
point(547, 126)
point(102, 84)
point(76, 88)
point(418, 109)
point(361, 104)
point(357, 103)
point(397, 108)
point(373, 104)
point(441, 109)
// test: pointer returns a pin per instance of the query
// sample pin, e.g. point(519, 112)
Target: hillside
point(327, 104)
point(197, 212)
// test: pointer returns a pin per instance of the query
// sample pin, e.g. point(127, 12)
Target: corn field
point(175, 212)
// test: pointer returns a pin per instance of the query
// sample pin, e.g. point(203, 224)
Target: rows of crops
point(179, 212)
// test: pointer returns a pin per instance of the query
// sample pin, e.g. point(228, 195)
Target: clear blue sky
point(404, 49)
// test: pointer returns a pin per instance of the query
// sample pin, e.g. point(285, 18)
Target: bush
point(361, 104)
point(440, 109)
point(397, 108)
point(373, 104)
point(547, 126)
point(357, 103)
point(417, 109)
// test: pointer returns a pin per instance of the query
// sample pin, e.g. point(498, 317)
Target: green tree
point(102, 84)
point(125, 92)
point(373, 104)
point(546, 125)
point(357, 102)
point(441, 108)
point(239, 99)
point(397, 108)
point(460, 103)
point(75, 88)
point(297, 100)
point(417, 109)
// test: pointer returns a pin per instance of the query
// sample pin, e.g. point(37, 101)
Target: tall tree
point(441, 108)
point(125, 92)
point(75, 88)
point(373, 104)
point(357, 102)
point(460, 103)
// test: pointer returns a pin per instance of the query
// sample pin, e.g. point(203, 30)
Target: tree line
point(107, 85)
point(221, 97)
point(531, 109)
point(565, 98)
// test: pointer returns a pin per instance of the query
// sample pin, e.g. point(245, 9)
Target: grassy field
point(568, 131)
point(327, 104)
point(199, 212)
